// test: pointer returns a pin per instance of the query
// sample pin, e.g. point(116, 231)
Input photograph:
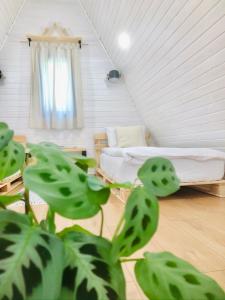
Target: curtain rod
point(62, 39)
point(25, 41)
point(47, 36)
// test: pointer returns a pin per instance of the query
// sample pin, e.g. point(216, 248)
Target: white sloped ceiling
point(8, 12)
point(105, 104)
point(175, 67)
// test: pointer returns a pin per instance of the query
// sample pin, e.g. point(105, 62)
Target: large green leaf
point(165, 276)
point(123, 185)
point(12, 158)
point(47, 144)
point(30, 260)
point(74, 228)
point(141, 220)
point(159, 177)
point(5, 135)
point(90, 273)
point(9, 199)
point(83, 162)
point(63, 185)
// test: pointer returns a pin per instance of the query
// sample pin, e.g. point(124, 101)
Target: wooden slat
point(20, 139)
point(74, 149)
point(10, 183)
point(121, 194)
point(100, 142)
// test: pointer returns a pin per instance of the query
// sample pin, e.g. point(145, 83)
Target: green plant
point(38, 263)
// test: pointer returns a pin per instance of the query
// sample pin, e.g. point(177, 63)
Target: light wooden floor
point(192, 226)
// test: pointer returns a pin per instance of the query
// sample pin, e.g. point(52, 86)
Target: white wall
point(175, 68)
point(104, 104)
point(8, 12)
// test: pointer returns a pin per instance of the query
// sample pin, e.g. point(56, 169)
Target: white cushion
point(111, 135)
point(131, 136)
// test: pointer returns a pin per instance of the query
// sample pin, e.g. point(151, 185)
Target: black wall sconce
point(1, 75)
point(113, 75)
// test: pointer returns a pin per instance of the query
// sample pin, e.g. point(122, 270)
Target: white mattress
point(136, 154)
point(120, 169)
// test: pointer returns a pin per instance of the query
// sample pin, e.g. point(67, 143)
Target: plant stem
point(51, 220)
point(125, 260)
point(26, 193)
point(33, 215)
point(102, 222)
point(135, 181)
point(28, 207)
point(118, 227)
point(2, 206)
point(27, 201)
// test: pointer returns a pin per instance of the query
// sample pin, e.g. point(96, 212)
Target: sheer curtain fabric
point(56, 101)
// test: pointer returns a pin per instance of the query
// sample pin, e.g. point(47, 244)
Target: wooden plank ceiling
point(8, 12)
point(175, 66)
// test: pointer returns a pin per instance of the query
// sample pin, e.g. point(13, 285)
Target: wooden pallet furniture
point(215, 188)
point(20, 139)
point(13, 183)
point(76, 150)
point(121, 193)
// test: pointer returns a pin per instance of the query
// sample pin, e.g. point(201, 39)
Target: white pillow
point(132, 136)
point(111, 135)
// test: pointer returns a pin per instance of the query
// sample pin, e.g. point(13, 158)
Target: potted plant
point(38, 263)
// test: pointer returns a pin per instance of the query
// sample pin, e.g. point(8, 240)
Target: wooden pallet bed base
point(120, 193)
point(215, 188)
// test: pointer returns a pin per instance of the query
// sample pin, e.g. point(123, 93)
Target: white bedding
point(143, 153)
point(201, 164)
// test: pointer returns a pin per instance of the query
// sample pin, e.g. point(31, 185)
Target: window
point(58, 74)
point(56, 87)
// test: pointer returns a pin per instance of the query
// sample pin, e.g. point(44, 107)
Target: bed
point(201, 168)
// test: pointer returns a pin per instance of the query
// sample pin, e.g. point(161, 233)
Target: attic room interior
point(112, 149)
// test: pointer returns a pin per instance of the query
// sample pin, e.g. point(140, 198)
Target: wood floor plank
point(176, 238)
point(219, 276)
point(191, 226)
point(133, 292)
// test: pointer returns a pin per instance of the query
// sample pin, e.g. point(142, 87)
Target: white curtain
point(56, 101)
